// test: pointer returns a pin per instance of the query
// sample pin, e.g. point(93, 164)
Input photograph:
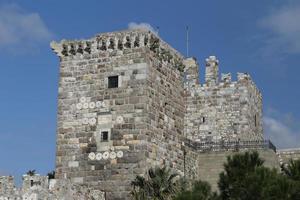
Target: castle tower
point(191, 72)
point(223, 110)
point(120, 109)
point(212, 71)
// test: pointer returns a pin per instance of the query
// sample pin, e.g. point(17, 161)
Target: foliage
point(31, 172)
point(51, 175)
point(245, 178)
point(159, 184)
point(292, 170)
point(200, 191)
point(232, 181)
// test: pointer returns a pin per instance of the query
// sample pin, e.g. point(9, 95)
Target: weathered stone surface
point(208, 166)
point(145, 111)
point(221, 110)
point(285, 155)
point(128, 101)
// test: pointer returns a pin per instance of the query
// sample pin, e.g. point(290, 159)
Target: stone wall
point(285, 155)
point(209, 165)
point(142, 116)
point(38, 187)
point(221, 109)
point(166, 114)
point(7, 187)
point(128, 101)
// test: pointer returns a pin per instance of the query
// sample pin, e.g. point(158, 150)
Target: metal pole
point(187, 41)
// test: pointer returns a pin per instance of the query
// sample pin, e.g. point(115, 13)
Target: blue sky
point(259, 37)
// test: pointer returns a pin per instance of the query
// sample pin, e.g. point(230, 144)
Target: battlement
point(221, 109)
point(127, 100)
point(212, 71)
point(117, 44)
point(36, 187)
point(35, 182)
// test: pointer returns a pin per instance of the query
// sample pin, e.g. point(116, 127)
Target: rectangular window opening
point(113, 81)
point(104, 136)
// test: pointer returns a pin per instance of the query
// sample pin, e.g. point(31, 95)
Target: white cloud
point(20, 29)
point(142, 26)
point(282, 129)
point(283, 25)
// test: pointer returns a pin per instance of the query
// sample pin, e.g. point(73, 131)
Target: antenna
point(187, 41)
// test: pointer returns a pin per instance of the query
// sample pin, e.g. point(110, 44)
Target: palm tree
point(292, 170)
point(159, 184)
point(31, 172)
point(51, 175)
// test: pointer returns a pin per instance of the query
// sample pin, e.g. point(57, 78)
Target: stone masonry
point(120, 109)
point(37, 187)
point(128, 101)
point(221, 109)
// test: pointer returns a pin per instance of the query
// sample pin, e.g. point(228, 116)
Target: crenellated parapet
point(35, 182)
point(221, 108)
point(40, 187)
point(212, 71)
point(7, 185)
point(118, 43)
point(226, 78)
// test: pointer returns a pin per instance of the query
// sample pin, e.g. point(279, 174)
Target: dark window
point(104, 136)
point(255, 120)
point(31, 183)
point(113, 82)
point(235, 127)
point(203, 119)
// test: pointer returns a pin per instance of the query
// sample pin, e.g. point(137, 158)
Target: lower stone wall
point(285, 155)
point(53, 189)
point(209, 165)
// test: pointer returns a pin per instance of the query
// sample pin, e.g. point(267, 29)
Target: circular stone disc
point(82, 99)
point(86, 105)
point(92, 105)
point(98, 156)
point(98, 104)
point(119, 119)
point(79, 106)
point(105, 155)
point(112, 155)
point(85, 121)
point(120, 154)
point(92, 156)
point(92, 121)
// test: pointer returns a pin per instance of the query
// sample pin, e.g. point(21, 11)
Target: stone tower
point(120, 109)
point(221, 109)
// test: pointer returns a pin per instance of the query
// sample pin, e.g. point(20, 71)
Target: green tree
point(233, 182)
point(280, 187)
point(159, 184)
point(245, 178)
point(201, 190)
point(51, 175)
point(292, 170)
point(31, 172)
